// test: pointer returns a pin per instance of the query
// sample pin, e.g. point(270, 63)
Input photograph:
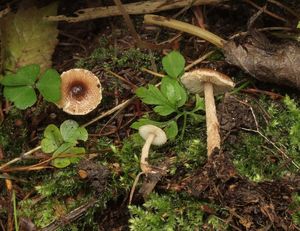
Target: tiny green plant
point(20, 87)
point(169, 98)
point(62, 141)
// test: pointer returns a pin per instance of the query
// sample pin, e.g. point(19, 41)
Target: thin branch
point(144, 7)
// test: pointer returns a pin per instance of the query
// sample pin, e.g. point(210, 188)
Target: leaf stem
point(184, 125)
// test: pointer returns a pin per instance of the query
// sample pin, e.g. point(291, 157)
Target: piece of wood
point(143, 7)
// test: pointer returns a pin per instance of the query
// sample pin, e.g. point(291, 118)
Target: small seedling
point(169, 98)
point(62, 141)
point(20, 87)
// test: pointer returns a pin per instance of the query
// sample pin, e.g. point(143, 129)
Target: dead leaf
point(271, 63)
point(27, 38)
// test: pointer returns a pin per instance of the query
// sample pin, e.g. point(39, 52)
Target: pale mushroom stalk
point(145, 153)
point(153, 136)
point(208, 82)
point(212, 123)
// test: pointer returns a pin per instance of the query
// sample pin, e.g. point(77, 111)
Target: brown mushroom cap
point(81, 91)
point(194, 81)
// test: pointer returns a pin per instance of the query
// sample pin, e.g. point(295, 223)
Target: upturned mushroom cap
point(160, 136)
point(194, 81)
point(81, 91)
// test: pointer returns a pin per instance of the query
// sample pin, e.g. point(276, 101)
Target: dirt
point(249, 205)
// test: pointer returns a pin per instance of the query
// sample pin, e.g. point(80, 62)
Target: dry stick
point(185, 27)
point(129, 23)
point(21, 157)
point(144, 7)
point(265, 11)
point(107, 113)
point(111, 111)
point(199, 60)
point(294, 13)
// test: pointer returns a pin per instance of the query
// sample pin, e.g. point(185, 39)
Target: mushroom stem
point(145, 153)
point(212, 123)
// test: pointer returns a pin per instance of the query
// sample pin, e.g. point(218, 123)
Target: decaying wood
point(144, 7)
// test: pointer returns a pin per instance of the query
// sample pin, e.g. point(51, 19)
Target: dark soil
point(251, 206)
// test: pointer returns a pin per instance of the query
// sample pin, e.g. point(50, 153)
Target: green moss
point(58, 194)
point(108, 57)
point(171, 212)
point(13, 138)
point(295, 209)
point(258, 157)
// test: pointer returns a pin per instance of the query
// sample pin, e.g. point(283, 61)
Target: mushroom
point(152, 135)
point(81, 91)
point(209, 82)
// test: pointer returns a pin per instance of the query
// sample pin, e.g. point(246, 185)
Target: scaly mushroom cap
point(194, 81)
point(81, 91)
point(160, 136)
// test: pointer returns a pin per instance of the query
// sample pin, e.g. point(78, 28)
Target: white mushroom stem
point(212, 123)
point(145, 153)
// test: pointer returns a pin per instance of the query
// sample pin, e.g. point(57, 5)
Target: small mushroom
point(81, 91)
point(209, 82)
point(152, 135)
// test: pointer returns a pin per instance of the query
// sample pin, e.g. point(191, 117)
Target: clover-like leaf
point(67, 130)
point(49, 85)
point(71, 132)
point(173, 64)
point(52, 139)
point(25, 76)
point(63, 148)
point(22, 96)
point(61, 162)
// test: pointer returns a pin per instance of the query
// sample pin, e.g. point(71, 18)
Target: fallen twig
point(144, 7)
point(70, 217)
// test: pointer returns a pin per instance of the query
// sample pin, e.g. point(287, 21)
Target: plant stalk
point(184, 27)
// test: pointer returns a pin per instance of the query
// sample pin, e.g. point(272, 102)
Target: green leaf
point(52, 140)
point(49, 85)
point(71, 132)
point(197, 118)
point(63, 148)
point(67, 129)
point(171, 130)
point(199, 105)
point(163, 110)
point(25, 76)
point(80, 151)
point(23, 96)
point(80, 134)
point(61, 162)
point(153, 96)
point(173, 64)
point(173, 91)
